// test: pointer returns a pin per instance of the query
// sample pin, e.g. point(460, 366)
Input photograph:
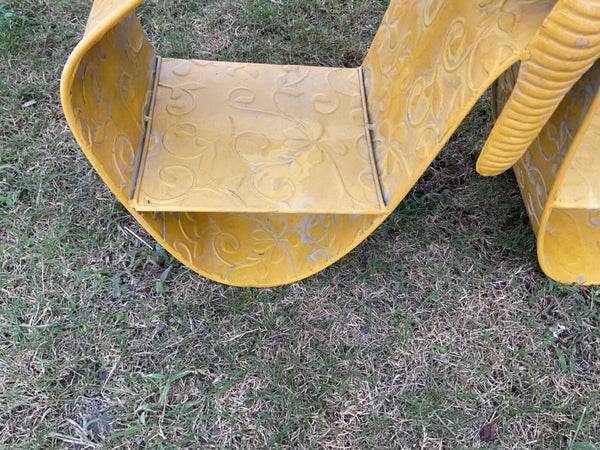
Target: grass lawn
point(439, 331)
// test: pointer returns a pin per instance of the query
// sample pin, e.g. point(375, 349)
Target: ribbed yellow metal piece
point(318, 157)
point(562, 50)
point(558, 178)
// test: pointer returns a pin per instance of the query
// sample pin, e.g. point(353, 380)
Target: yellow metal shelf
point(231, 137)
point(260, 175)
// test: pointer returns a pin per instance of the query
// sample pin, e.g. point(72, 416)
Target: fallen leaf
point(489, 432)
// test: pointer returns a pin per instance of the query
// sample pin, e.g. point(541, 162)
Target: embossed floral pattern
point(566, 223)
point(256, 138)
point(428, 64)
point(423, 73)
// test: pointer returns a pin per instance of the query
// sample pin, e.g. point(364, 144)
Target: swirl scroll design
point(404, 76)
point(258, 138)
point(557, 177)
point(420, 88)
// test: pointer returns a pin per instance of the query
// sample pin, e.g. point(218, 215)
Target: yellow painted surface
point(231, 137)
point(580, 186)
point(561, 51)
point(559, 180)
point(194, 152)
